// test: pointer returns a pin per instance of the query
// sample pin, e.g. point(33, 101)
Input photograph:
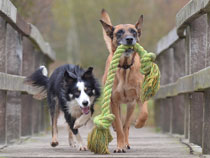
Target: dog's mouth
point(85, 110)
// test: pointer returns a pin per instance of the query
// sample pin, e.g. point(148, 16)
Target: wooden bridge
point(182, 106)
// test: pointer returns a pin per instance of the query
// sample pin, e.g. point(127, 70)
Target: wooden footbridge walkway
point(144, 143)
point(182, 105)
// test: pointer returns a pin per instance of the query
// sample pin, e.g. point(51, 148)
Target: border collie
point(72, 90)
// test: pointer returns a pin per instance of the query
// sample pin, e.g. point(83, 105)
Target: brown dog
point(128, 79)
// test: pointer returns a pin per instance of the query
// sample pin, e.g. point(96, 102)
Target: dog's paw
point(82, 148)
point(77, 124)
point(140, 124)
point(54, 144)
point(72, 144)
point(128, 146)
point(119, 150)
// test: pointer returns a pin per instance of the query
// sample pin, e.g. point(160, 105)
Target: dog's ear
point(139, 24)
point(69, 77)
point(109, 29)
point(88, 73)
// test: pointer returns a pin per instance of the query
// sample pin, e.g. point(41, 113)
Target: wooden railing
point(182, 105)
point(22, 50)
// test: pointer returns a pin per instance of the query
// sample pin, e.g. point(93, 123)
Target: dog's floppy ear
point(88, 73)
point(69, 77)
point(109, 29)
point(139, 24)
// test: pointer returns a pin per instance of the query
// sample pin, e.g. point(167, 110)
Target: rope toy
point(100, 137)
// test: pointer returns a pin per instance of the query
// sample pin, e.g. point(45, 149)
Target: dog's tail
point(105, 17)
point(39, 79)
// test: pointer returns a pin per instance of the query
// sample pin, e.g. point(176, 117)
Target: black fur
point(62, 83)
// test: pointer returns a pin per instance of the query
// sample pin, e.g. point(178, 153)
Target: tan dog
point(128, 79)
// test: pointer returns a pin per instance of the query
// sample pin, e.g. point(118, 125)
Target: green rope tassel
point(100, 137)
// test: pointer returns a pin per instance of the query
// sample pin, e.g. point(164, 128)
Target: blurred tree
point(74, 30)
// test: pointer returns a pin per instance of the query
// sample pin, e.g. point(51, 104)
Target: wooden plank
point(45, 48)
point(166, 58)
point(179, 59)
point(14, 51)
point(26, 114)
point(187, 116)
point(198, 43)
point(2, 93)
point(36, 116)
point(145, 143)
point(189, 13)
point(28, 68)
point(196, 117)
point(208, 41)
point(206, 124)
point(167, 41)
point(15, 83)
point(166, 113)
point(198, 81)
point(2, 45)
point(2, 117)
point(157, 115)
point(8, 9)
point(13, 115)
point(178, 114)
point(13, 66)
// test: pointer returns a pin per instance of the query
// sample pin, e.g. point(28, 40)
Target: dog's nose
point(85, 103)
point(129, 40)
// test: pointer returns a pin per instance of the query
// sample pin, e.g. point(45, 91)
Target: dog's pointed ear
point(109, 29)
point(139, 24)
point(88, 73)
point(69, 77)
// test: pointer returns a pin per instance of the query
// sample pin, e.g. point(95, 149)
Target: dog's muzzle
point(128, 40)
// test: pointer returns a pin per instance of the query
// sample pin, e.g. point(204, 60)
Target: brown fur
point(127, 83)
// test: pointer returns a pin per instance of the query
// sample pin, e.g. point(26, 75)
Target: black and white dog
point(72, 90)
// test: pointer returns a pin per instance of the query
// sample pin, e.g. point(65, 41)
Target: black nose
point(85, 103)
point(129, 40)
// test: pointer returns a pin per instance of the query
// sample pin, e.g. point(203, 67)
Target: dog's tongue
point(85, 110)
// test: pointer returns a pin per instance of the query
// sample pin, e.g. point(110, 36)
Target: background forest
point(73, 29)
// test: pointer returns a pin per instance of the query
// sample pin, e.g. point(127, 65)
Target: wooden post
point(178, 114)
point(13, 66)
point(166, 105)
point(2, 93)
point(196, 117)
point(187, 72)
point(206, 109)
point(178, 101)
point(206, 124)
point(28, 68)
point(198, 51)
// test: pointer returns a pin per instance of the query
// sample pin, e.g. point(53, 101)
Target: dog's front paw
point(77, 125)
point(119, 150)
point(54, 144)
point(72, 144)
point(128, 146)
point(82, 148)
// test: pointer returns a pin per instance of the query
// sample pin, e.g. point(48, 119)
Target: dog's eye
point(133, 32)
point(88, 91)
point(120, 33)
point(77, 93)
